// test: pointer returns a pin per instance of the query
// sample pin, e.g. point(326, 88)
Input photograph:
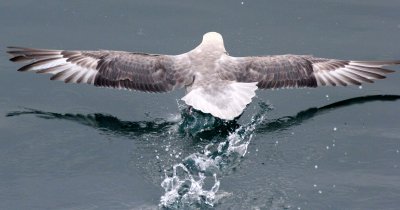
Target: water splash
point(195, 182)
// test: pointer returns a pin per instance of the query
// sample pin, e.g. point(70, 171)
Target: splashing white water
point(187, 189)
point(195, 182)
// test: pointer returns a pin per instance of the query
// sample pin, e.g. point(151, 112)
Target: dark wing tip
point(389, 70)
point(379, 63)
point(24, 68)
point(386, 63)
point(15, 49)
point(11, 49)
point(16, 55)
point(19, 58)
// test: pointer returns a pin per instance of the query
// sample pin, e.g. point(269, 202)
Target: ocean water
point(80, 147)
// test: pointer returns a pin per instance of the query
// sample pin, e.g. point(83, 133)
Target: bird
point(215, 82)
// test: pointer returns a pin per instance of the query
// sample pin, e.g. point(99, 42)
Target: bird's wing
point(292, 71)
point(116, 69)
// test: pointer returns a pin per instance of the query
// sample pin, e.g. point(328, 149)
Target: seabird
point(215, 82)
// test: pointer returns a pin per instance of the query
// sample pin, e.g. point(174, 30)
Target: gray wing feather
point(154, 73)
point(116, 69)
point(292, 71)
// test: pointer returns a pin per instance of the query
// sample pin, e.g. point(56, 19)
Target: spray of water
point(195, 182)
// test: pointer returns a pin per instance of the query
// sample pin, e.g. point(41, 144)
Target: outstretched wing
point(292, 71)
point(116, 69)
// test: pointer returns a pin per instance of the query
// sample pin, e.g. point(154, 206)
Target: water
point(80, 147)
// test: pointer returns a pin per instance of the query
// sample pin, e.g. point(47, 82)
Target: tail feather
point(225, 101)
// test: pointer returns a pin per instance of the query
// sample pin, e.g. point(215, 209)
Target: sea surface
point(79, 147)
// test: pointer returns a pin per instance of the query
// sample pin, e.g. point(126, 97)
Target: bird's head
point(213, 40)
point(212, 37)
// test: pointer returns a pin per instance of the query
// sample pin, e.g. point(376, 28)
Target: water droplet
point(327, 147)
point(314, 185)
point(157, 157)
point(335, 129)
point(320, 191)
point(333, 186)
point(242, 2)
point(397, 151)
point(298, 208)
point(276, 142)
point(360, 87)
point(333, 145)
point(140, 32)
point(327, 96)
point(316, 166)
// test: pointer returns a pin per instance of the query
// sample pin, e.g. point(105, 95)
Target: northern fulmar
point(215, 82)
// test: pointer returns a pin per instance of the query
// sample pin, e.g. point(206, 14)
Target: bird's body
point(215, 82)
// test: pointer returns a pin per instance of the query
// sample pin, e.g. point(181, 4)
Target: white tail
point(225, 101)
